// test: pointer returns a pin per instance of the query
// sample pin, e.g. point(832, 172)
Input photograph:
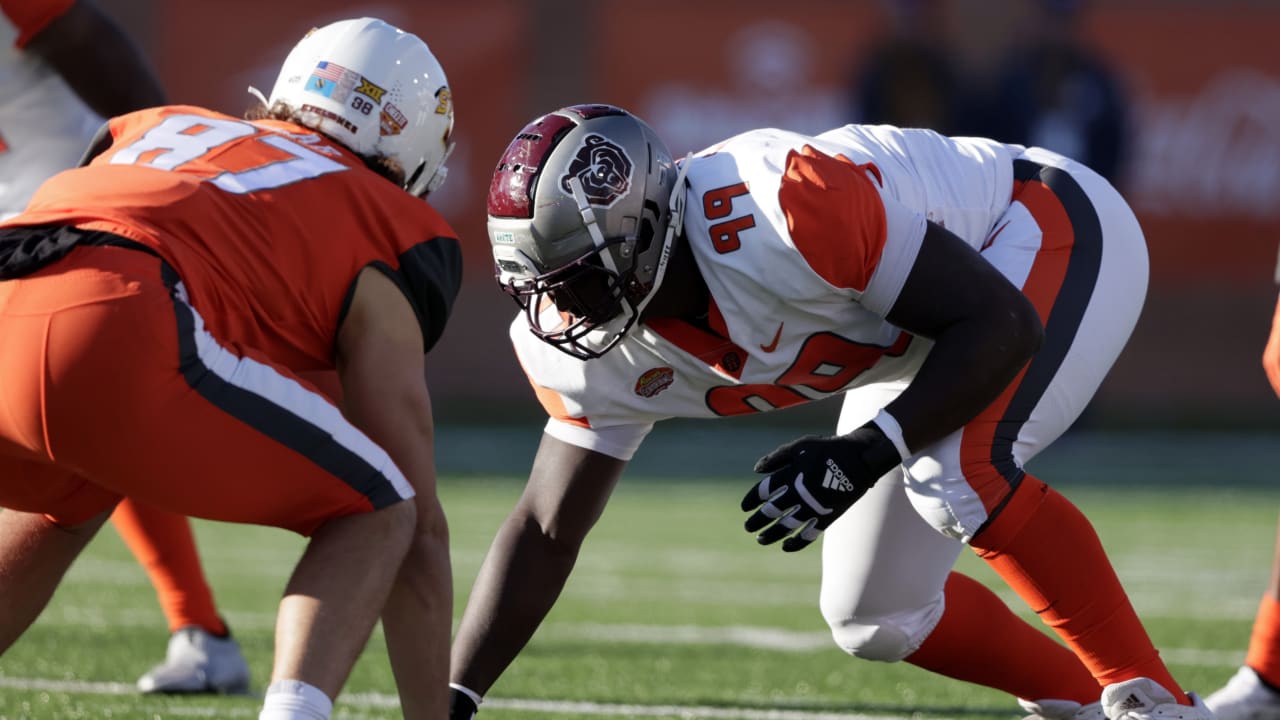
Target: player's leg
point(183, 423)
point(35, 553)
point(201, 655)
point(165, 547)
point(1253, 693)
point(1077, 252)
point(931, 617)
point(314, 607)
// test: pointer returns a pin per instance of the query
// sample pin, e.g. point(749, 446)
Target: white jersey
point(44, 126)
point(804, 243)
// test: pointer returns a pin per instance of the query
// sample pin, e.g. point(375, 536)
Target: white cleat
point(1061, 710)
point(1245, 697)
point(198, 662)
point(1145, 699)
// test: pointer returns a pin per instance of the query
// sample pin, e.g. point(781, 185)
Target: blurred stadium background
point(1176, 460)
point(1201, 77)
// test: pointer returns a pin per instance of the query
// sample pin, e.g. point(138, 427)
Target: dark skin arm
point(984, 331)
point(98, 61)
point(531, 558)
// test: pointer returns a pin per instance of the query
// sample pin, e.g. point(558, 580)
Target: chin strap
point(588, 215)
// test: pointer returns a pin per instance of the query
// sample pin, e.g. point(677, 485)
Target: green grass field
point(692, 620)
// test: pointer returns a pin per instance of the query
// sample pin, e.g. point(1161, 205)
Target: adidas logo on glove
point(835, 479)
point(1133, 702)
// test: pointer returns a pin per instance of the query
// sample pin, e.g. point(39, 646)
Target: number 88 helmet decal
point(582, 216)
point(377, 90)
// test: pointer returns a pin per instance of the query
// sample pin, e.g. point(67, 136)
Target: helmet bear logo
point(603, 168)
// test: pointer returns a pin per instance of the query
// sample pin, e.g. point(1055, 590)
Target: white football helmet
point(583, 208)
point(376, 89)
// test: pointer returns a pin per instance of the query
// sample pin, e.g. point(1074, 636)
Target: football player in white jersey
point(65, 65)
point(1253, 693)
point(966, 298)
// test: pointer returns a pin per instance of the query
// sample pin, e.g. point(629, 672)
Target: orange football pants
point(113, 388)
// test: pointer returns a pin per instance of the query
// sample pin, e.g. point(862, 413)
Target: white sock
point(295, 700)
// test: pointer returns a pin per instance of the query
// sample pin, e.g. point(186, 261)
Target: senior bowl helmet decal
point(582, 217)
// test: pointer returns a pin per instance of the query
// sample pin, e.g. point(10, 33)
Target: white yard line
point(767, 638)
point(382, 700)
point(764, 638)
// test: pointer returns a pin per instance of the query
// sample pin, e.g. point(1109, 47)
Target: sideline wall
point(1204, 78)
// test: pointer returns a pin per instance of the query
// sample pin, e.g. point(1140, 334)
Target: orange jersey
point(267, 224)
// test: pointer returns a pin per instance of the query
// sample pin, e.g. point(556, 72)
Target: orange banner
point(1202, 80)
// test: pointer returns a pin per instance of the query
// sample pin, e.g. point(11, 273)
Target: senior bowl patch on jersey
point(654, 381)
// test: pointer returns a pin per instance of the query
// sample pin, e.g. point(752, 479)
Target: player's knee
point(887, 637)
point(883, 642)
point(400, 522)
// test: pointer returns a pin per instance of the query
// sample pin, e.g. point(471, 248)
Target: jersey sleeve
point(32, 16)
point(616, 441)
point(562, 387)
point(850, 231)
point(430, 275)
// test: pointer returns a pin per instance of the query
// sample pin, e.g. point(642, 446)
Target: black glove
point(812, 481)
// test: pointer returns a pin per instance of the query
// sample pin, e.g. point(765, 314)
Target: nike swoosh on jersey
point(992, 238)
point(773, 345)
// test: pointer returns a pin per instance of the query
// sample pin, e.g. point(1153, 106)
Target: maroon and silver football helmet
point(582, 214)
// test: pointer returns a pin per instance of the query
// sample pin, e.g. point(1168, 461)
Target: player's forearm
point(384, 396)
point(418, 618)
point(984, 330)
point(970, 364)
point(519, 582)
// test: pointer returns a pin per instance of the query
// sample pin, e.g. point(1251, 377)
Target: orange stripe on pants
point(1042, 286)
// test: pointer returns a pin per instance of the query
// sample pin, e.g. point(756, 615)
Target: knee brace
point(889, 637)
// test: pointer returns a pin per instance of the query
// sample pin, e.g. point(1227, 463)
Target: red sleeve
point(835, 215)
point(32, 16)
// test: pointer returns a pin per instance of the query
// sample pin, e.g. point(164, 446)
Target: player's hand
point(812, 481)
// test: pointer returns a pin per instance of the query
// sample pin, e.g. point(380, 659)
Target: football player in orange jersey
point(71, 67)
point(1253, 693)
point(159, 307)
point(964, 296)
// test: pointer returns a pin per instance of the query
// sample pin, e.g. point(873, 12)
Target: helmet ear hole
point(649, 219)
point(644, 238)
